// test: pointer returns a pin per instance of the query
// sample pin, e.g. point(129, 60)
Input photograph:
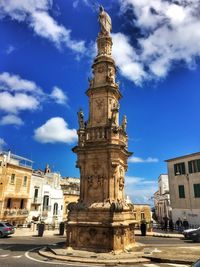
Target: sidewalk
point(34, 232)
point(175, 255)
point(160, 233)
point(31, 232)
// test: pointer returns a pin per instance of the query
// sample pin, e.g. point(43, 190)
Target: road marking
point(50, 261)
point(150, 265)
point(17, 256)
point(5, 255)
point(178, 265)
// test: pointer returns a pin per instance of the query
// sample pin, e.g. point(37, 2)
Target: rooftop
point(184, 156)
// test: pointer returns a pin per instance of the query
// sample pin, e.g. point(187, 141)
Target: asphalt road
point(22, 251)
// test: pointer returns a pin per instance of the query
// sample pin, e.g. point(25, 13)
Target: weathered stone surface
point(102, 220)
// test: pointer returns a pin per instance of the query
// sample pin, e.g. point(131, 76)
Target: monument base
point(100, 230)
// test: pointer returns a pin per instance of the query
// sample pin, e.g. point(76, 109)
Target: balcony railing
point(46, 208)
point(37, 200)
point(15, 212)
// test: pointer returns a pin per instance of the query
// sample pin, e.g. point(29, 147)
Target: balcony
point(37, 200)
point(15, 212)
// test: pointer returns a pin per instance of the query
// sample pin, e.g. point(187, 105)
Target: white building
point(184, 187)
point(36, 194)
point(162, 198)
point(46, 196)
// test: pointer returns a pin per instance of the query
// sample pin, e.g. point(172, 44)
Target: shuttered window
point(196, 190)
point(179, 168)
point(181, 191)
point(194, 166)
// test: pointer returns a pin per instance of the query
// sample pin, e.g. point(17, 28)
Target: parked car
point(195, 235)
point(196, 264)
point(6, 229)
point(187, 232)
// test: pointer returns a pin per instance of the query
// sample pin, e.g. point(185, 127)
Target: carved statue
point(111, 76)
point(81, 119)
point(124, 123)
point(105, 21)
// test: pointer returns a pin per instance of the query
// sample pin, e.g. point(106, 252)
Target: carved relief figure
point(121, 179)
point(81, 119)
point(105, 21)
point(124, 123)
point(111, 76)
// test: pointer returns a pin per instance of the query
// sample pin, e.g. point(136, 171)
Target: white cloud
point(13, 82)
point(134, 159)
point(11, 119)
point(10, 49)
point(170, 33)
point(140, 189)
point(35, 14)
point(125, 57)
point(55, 130)
point(2, 144)
point(59, 96)
point(18, 94)
point(18, 102)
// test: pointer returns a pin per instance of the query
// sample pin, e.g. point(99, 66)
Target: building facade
point(15, 180)
point(71, 193)
point(184, 187)
point(162, 199)
point(36, 195)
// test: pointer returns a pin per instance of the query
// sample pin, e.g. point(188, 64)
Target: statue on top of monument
point(105, 21)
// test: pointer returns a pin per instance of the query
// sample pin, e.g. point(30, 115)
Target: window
point(9, 203)
point(25, 181)
point(46, 203)
point(179, 168)
point(181, 190)
point(22, 204)
point(196, 190)
point(12, 178)
point(55, 209)
point(194, 166)
point(142, 216)
point(0, 163)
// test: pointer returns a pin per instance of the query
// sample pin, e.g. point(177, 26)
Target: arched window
point(55, 209)
point(46, 203)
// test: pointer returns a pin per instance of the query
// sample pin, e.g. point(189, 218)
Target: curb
point(51, 255)
point(166, 260)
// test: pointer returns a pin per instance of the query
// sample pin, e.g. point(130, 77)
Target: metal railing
point(15, 212)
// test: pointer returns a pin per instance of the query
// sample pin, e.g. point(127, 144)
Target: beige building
point(184, 187)
point(15, 178)
point(71, 192)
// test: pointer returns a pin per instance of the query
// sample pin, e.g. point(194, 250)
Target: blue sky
point(46, 51)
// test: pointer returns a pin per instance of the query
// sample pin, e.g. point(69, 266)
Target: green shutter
point(183, 168)
point(175, 169)
point(181, 190)
point(196, 190)
point(198, 165)
point(190, 166)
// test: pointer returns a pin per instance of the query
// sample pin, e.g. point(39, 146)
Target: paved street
point(22, 251)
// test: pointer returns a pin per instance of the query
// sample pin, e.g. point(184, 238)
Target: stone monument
point(102, 221)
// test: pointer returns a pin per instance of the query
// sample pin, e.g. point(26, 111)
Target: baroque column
point(101, 220)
